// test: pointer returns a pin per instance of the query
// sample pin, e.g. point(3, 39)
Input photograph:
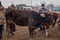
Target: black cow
point(24, 17)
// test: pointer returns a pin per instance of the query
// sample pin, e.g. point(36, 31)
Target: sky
point(6, 3)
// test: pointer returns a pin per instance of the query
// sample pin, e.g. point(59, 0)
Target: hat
point(42, 4)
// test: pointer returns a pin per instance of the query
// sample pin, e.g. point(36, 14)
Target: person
point(44, 13)
point(43, 9)
point(46, 17)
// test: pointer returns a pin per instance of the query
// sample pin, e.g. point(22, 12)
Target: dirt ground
point(22, 33)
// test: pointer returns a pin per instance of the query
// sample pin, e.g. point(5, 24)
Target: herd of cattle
point(29, 18)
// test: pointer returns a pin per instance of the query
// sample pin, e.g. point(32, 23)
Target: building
point(50, 6)
point(23, 6)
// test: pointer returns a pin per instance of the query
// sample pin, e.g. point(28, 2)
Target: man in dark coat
point(45, 17)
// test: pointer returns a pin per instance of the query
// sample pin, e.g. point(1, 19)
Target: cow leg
point(7, 29)
point(54, 24)
point(42, 28)
point(11, 32)
point(31, 33)
point(31, 30)
point(47, 31)
point(12, 29)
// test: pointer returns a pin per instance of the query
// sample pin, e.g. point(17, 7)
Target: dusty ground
point(23, 34)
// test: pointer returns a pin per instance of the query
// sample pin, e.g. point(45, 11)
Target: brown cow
point(55, 17)
point(48, 24)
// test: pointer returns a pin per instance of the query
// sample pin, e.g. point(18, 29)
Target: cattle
point(47, 24)
point(30, 18)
